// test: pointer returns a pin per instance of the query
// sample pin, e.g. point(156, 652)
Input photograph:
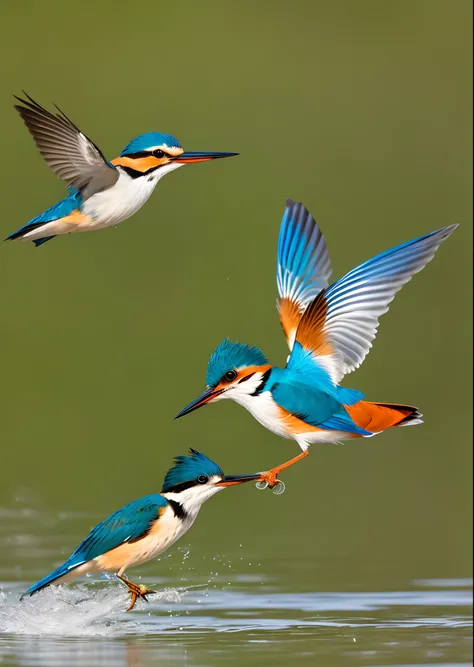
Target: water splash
point(69, 611)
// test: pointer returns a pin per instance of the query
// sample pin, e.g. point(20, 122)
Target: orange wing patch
point(290, 315)
point(310, 331)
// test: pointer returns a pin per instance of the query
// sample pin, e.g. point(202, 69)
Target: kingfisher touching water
point(102, 193)
point(146, 527)
point(329, 330)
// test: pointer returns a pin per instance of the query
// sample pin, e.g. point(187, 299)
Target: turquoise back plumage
point(228, 356)
point(308, 393)
point(188, 468)
point(148, 140)
point(125, 525)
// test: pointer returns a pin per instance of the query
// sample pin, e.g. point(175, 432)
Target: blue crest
point(229, 356)
point(146, 141)
point(188, 468)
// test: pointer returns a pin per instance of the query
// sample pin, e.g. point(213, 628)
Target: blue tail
point(38, 242)
point(63, 569)
point(62, 208)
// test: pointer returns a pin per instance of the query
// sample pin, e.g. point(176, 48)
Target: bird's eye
point(230, 376)
point(202, 479)
point(159, 153)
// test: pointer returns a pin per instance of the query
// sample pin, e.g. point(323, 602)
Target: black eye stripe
point(182, 486)
point(244, 379)
point(138, 154)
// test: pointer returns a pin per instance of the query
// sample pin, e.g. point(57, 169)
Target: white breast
point(265, 411)
point(119, 202)
point(164, 533)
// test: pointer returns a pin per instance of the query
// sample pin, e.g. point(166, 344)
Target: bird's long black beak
point(197, 156)
point(232, 480)
point(206, 397)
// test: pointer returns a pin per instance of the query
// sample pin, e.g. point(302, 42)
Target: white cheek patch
point(163, 170)
point(191, 499)
point(245, 388)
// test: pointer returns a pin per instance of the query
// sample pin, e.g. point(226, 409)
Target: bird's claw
point(279, 488)
point(138, 591)
point(270, 480)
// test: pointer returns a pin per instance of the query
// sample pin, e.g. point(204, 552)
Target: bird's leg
point(136, 591)
point(271, 476)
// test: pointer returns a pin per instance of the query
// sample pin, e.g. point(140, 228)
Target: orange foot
point(271, 476)
point(136, 591)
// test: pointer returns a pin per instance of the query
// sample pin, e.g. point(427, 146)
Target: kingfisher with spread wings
point(329, 330)
point(101, 193)
point(146, 527)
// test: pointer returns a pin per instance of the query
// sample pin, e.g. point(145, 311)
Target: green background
point(359, 109)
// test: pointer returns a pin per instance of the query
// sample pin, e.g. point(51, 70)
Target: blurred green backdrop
point(359, 109)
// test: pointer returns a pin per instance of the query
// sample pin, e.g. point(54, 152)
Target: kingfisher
point(146, 527)
point(329, 330)
point(101, 193)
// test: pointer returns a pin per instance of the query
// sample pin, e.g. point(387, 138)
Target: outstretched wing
point(66, 150)
point(339, 325)
point(125, 525)
point(303, 266)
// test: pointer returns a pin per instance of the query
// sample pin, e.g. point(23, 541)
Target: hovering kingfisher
point(329, 331)
point(146, 527)
point(102, 193)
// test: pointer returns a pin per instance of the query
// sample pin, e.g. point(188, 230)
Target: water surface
point(213, 610)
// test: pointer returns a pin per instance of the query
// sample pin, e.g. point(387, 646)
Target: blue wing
point(315, 407)
point(339, 325)
point(303, 266)
point(59, 210)
point(125, 525)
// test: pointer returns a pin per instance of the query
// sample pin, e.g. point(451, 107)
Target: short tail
point(60, 572)
point(377, 417)
point(23, 231)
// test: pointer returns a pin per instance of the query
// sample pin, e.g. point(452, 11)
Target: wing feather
point(67, 151)
point(125, 525)
point(303, 266)
point(339, 325)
